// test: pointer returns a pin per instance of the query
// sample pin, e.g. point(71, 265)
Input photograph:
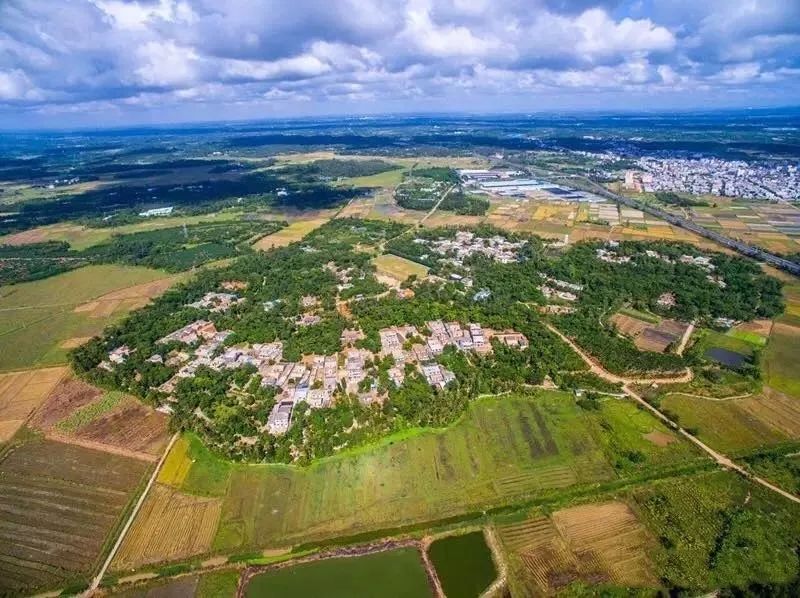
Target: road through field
point(436, 207)
point(721, 459)
point(112, 553)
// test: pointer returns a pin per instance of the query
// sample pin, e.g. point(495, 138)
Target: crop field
point(781, 359)
point(36, 318)
point(463, 564)
point(127, 299)
point(649, 336)
point(56, 511)
point(740, 424)
point(69, 395)
point(399, 268)
point(170, 525)
point(502, 451)
point(595, 543)
point(704, 521)
point(294, 232)
point(393, 574)
point(21, 393)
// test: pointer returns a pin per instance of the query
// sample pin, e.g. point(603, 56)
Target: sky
point(117, 62)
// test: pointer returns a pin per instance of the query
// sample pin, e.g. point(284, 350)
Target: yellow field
point(129, 298)
point(596, 543)
point(398, 268)
point(177, 464)
point(170, 526)
point(21, 393)
point(294, 232)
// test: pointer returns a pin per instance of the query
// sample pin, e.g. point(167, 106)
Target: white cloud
point(165, 64)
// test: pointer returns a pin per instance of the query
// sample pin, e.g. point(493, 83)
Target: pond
point(463, 564)
point(726, 357)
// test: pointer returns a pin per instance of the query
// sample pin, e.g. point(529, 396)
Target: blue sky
point(118, 62)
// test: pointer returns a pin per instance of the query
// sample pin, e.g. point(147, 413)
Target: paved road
point(720, 458)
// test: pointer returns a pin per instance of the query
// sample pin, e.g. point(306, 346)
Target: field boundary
point(112, 553)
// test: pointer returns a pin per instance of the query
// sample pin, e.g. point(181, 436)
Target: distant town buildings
point(157, 212)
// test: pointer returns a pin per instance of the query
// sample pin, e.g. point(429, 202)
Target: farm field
point(170, 525)
point(398, 268)
point(647, 335)
point(781, 359)
point(463, 564)
point(294, 232)
point(56, 512)
point(594, 544)
point(393, 574)
point(502, 451)
point(738, 425)
point(703, 522)
point(37, 318)
point(21, 393)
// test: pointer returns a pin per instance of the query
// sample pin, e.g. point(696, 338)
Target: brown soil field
point(77, 341)
point(56, 511)
point(776, 410)
point(171, 525)
point(761, 327)
point(596, 543)
point(629, 326)
point(660, 438)
point(69, 395)
point(21, 393)
point(131, 426)
point(649, 337)
point(128, 299)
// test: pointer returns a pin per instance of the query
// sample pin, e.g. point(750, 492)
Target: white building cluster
point(466, 244)
point(759, 180)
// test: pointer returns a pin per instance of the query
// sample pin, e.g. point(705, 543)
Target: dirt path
point(433, 578)
point(693, 396)
point(502, 567)
point(112, 553)
point(685, 339)
point(720, 458)
point(436, 207)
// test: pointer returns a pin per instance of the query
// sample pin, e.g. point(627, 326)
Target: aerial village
point(317, 379)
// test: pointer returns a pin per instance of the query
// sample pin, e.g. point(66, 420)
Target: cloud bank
point(127, 61)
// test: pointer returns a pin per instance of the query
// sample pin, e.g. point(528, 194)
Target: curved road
point(720, 458)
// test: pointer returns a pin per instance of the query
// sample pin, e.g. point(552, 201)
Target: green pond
point(463, 564)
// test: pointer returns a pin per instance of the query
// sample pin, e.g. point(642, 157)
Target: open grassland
point(399, 268)
point(504, 450)
point(595, 544)
point(738, 425)
point(393, 574)
point(718, 530)
point(81, 237)
point(389, 179)
point(21, 393)
point(170, 525)
point(57, 510)
point(294, 232)
point(782, 358)
point(37, 318)
point(463, 564)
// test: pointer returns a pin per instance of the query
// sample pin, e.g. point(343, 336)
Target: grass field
point(463, 564)
point(37, 318)
point(399, 268)
point(595, 544)
point(21, 393)
point(56, 511)
point(502, 451)
point(294, 232)
point(781, 359)
point(390, 178)
point(393, 574)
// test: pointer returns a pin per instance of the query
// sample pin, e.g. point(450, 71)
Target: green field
point(718, 530)
point(640, 315)
point(463, 564)
point(393, 574)
point(221, 584)
point(781, 359)
point(390, 178)
point(504, 450)
point(36, 317)
point(399, 267)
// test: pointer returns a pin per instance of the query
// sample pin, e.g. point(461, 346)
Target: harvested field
point(56, 511)
point(649, 336)
point(75, 342)
point(126, 299)
point(131, 426)
point(294, 232)
point(21, 393)
point(68, 396)
point(171, 525)
point(399, 268)
point(602, 543)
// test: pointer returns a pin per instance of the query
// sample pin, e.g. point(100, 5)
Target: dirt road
point(720, 458)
